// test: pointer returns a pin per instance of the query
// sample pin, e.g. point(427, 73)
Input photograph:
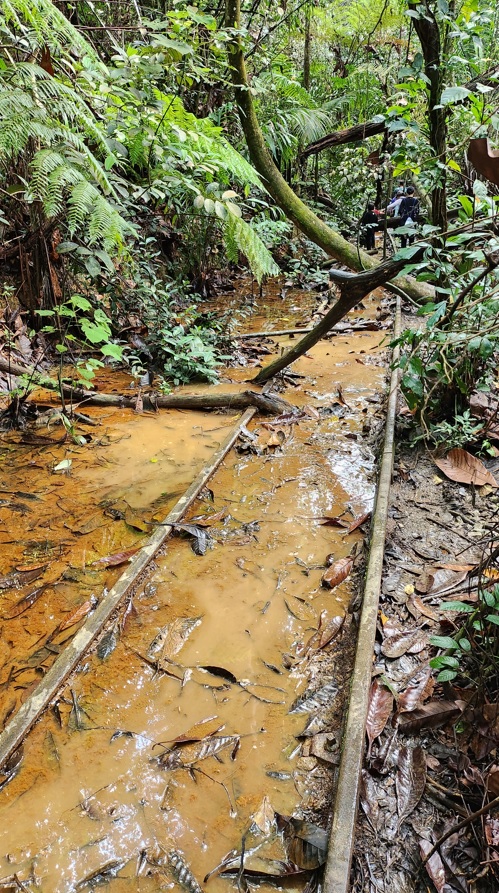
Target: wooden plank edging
point(342, 836)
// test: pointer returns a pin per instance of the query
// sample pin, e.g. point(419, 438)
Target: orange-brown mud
point(216, 637)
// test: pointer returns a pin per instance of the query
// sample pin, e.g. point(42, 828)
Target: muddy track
point(211, 707)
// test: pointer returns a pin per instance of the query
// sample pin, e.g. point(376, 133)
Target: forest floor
point(209, 710)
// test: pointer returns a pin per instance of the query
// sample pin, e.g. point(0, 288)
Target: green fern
point(239, 233)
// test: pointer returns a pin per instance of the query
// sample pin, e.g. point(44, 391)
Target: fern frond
point(240, 233)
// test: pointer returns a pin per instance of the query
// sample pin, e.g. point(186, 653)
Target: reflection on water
point(106, 790)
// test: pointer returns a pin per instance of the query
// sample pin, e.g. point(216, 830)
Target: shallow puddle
point(221, 648)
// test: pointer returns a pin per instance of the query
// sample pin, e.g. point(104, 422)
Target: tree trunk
point(426, 27)
point(306, 48)
point(340, 137)
point(308, 222)
point(352, 290)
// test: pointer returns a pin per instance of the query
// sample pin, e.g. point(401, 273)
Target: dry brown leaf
point(434, 866)
point(263, 819)
point(429, 716)
point(379, 710)
point(117, 558)
point(461, 466)
point(410, 779)
point(338, 572)
point(493, 781)
point(414, 692)
point(413, 640)
point(77, 615)
point(420, 608)
point(369, 799)
point(328, 630)
point(357, 522)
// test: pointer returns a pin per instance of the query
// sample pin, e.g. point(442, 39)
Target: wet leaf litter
point(211, 636)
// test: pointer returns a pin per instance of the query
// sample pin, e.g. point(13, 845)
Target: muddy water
point(91, 800)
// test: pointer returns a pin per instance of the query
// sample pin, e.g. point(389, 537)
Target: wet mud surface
point(223, 682)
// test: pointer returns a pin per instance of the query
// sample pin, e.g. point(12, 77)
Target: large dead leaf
point(328, 630)
point(172, 637)
point(187, 756)
point(410, 779)
point(464, 468)
point(338, 572)
point(263, 819)
point(434, 866)
point(310, 702)
point(306, 844)
point(410, 698)
point(412, 640)
point(429, 716)
point(117, 558)
point(380, 708)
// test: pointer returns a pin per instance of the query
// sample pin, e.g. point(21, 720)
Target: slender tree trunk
point(306, 48)
point(426, 27)
point(315, 229)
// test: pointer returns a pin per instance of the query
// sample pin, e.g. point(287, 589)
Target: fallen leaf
point(27, 600)
point(200, 537)
point(357, 522)
point(209, 520)
point(187, 756)
point(369, 799)
point(461, 466)
point(172, 637)
point(493, 781)
point(338, 572)
point(333, 521)
point(76, 616)
point(117, 558)
point(309, 701)
point(306, 843)
point(380, 708)
point(264, 817)
point(62, 467)
point(410, 779)
point(413, 640)
point(429, 716)
point(325, 747)
point(410, 698)
point(328, 630)
point(418, 607)
point(434, 866)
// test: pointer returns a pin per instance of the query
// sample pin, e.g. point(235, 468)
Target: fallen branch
point(238, 400)
point(353, 287)
point(340, 137)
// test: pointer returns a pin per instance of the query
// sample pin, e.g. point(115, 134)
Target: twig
point(455, 828)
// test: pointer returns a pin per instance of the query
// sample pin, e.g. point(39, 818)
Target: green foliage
point(471, 652)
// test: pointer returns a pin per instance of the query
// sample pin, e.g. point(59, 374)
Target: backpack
point(410, 211)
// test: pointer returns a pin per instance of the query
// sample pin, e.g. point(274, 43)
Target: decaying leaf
point(117, 558)
point(181, 872)
point(410, 698)
point(108, 643)
point(434, 866)
point(334, 521)
point(264, 818)
point(21, 577)
point(186, 756)
point(338, 572)
point(200, 537)
point(172, 637)
point(461, 466)
point(413, 640)
point(410, 779)
point(306, 843)
point(418, 607)
point(309, 701)
point(328, 630)
point(209, 520)
point(27, 601)
point(76, 616)
point(357, 522)
point(380, 708)
point(428, 716)
point(369, 798)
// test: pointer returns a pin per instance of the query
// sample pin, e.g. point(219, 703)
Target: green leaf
point(454, 94)
point(493, 618)
point(443, 642)
point(462, 607)
point(446, 675)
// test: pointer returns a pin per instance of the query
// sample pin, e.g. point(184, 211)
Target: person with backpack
point(408, 213)
point(369, 222)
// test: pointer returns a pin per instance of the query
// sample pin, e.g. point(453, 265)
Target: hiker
point(408, 213)
point(394, 204)
point(369, 222)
